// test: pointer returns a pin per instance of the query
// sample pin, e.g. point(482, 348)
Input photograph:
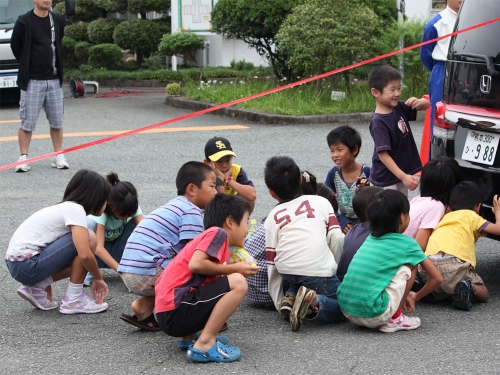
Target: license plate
point(480, 147)
point(8, 81)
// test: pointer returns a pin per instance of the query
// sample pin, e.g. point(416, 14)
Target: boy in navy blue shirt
point(395, 156)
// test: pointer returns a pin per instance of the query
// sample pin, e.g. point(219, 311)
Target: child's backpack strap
point(334, 170)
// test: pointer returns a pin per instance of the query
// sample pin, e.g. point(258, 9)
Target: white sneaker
point(37, 297)
point(60, 162)
point(23, 167)
point(403, 323)
point(82, 305)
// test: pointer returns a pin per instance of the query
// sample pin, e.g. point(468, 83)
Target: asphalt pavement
point(46, 342)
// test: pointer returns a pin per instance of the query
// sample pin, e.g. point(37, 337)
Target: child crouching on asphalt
point(200, 290)
point(451, 246)
point(303, 246)
point(376, 287)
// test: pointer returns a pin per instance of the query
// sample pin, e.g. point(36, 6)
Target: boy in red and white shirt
point(303, 246)
point(200, 290)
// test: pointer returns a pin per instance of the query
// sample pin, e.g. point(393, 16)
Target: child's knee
point(238, 282)
point(92, 240)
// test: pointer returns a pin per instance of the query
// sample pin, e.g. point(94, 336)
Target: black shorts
point(194, 311)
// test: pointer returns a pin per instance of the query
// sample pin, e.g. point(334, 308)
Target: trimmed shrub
point(101, 30)
point(183, 44)
point(68, 52)
point(173, 89)
point(139, 36)
point(77, 31)
point(242, 65)
point(107, 56)
point(82, 52)
point(154, 62)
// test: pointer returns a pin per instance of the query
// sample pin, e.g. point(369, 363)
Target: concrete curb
point(270, 118)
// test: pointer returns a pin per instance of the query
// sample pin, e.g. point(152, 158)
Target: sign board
point(338, 95)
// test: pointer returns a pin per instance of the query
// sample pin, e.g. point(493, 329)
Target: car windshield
point(11, 9)
point(481, 41)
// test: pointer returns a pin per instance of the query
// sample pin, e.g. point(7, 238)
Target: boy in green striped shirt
point(376, 287)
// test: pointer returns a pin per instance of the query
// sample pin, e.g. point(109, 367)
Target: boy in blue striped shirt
point(161, 235)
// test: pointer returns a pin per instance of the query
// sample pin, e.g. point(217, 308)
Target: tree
point(256, 22)
point(144, 6)
point(183, 44)
point(323, 35)
point(101, 30)
point(139, 36)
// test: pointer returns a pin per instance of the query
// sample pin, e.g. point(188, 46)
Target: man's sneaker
point(286, 306)
point(463, 295)
point(303, 306)
point(88, 279)
point(82, 305)
point(37, 297)
point(60, 162)
point(403, 323)
point(23, 167)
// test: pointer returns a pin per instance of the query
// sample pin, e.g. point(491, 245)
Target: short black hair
point(308, 183)
point(465, 196)
point(439, 177)
point(223, 206)
point(346, 135)
point(381, 75)
point(282, 176)
point(385, 210)
point(325, 192)
point(123, 199)
point(362, 199)
point(192, 172)
point(89, 189)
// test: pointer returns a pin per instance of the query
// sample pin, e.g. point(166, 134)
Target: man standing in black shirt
point(36, 44)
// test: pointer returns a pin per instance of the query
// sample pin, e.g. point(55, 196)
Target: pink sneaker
point(82, 305)
point(403, 323)
point(37, 297)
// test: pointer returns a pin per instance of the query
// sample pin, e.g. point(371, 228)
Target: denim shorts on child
point(194, 310)
point(141, 285)
point(453, 271)
point(395, 290)
point(47, 94)
point(51, 259)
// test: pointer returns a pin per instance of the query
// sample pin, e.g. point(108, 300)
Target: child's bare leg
point(481, 293)
point(226, 306)
point(409, 284)
point(78, 271)
point(143, 307)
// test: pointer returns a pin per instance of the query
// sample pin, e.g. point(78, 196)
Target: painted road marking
point(151, 131)
point(9, 121)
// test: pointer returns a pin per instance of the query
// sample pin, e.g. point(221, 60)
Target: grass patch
point(296, 101)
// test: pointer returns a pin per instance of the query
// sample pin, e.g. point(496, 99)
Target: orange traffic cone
point(426, 135)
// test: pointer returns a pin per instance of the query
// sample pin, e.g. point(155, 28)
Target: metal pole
point(400, 6)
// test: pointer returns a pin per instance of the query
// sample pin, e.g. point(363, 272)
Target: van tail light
point(442, 128)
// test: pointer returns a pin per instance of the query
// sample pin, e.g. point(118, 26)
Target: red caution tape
point(237, 101)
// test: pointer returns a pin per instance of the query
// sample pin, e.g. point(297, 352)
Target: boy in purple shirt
point(395, 156)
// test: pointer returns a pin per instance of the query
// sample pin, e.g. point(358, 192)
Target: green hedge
point(106, 55)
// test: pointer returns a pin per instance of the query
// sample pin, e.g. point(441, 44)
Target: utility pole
point(400, 6)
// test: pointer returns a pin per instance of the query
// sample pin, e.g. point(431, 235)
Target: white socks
point(44, 283)
point(74, 291)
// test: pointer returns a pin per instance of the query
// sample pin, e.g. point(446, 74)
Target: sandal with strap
point(217, 353)
point(148, 324)
point(185, 344)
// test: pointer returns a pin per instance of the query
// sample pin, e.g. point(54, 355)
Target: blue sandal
point(184, 345)
point(217, 353)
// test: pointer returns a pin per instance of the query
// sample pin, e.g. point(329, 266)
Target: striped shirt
point(160, 236)
point(362, 292)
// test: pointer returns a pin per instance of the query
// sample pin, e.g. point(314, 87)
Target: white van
point(10, 10)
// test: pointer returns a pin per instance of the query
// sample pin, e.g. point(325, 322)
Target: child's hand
point(218, 173)
point(347, 228)
point(412, 102)
point(409, 304)
point(246, 268)
point(99, 290)
point(417, 104)
point(362, 182)
point(411, 182)
point(496, 205)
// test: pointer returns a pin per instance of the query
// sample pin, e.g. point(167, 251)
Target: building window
point(438, 5)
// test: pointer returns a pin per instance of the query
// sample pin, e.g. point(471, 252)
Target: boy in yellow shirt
point(451, 246)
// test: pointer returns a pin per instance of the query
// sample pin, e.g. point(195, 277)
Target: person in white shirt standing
point(303, 246)
point(434, 54)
